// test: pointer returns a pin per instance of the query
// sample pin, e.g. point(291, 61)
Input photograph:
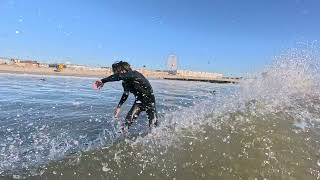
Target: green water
point(239, 145)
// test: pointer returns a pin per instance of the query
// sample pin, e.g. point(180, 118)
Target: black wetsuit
point(137, 84)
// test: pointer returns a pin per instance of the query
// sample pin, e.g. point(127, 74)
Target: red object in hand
point(97, 85)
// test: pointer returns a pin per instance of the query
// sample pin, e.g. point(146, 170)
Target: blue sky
point(231, 37)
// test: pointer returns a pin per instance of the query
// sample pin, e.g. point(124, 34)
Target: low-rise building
point(198, 74)
point(44, 65)
point(25, 63)
point(87, 68)
point(4, 61)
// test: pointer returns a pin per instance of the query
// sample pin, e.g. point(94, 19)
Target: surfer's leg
point(133, 114)
point(152, 115)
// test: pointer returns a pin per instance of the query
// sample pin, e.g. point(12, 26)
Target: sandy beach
point(103, 72)
point(51, 71)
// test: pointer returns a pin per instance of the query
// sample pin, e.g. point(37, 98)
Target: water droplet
point(11, 147)
point(105, 167)
point(16, 177)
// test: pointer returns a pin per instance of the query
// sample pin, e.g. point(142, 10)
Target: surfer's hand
point(99, 84)
point(117, 112)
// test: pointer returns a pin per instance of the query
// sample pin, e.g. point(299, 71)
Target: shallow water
point(266, 127)
point(45, 120)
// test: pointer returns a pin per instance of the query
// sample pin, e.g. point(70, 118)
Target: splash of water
point(267, 127)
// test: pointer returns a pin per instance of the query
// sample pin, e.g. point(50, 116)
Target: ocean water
point(266, 127)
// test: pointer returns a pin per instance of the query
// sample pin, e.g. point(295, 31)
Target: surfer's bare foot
point(124, 129)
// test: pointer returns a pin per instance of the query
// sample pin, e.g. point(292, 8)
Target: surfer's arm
point(113, 77)
point(118, 77)
point(123, 98)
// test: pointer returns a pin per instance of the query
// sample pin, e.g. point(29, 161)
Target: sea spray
point(266, 127)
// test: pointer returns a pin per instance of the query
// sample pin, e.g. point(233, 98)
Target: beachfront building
point(76, 67)
point(44, 65)
point(196, 74)
point(4, 61)
point(87, 68)
point(25, 63)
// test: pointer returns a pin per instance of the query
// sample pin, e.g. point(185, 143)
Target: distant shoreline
point(49, 71)
point(50, 74)
point(13, 69)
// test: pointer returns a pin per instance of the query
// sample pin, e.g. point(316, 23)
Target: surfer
point(135, 83)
